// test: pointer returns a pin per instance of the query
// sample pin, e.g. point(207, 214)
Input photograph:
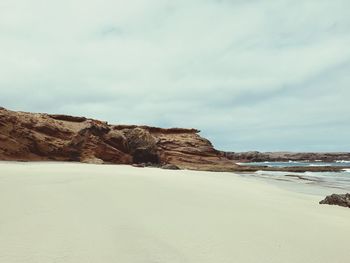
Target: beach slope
point(72, 213)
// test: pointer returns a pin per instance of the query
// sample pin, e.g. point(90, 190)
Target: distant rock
point(337, 199)
point(255, 156)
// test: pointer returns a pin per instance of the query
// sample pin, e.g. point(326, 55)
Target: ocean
point(336, 180)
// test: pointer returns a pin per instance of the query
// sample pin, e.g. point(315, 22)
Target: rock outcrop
point(337, 199)
point(255, 156)
point(41, 137)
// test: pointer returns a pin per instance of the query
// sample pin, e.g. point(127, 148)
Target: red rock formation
point(38, 137)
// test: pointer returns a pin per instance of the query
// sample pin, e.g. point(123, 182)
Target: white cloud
point(243, 72)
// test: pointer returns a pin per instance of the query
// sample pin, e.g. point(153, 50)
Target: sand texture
point(81, 213)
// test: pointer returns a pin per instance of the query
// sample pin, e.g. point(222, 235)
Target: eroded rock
point(337, 199)
point(34, 136)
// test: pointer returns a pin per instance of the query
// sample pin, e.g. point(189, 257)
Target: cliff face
point(41, 137)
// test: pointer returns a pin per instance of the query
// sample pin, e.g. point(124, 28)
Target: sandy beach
point(72, 213)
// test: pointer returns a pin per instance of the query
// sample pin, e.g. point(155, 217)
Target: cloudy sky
point(250, 74)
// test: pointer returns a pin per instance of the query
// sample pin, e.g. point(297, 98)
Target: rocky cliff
point(52, 137)
point(43, 137)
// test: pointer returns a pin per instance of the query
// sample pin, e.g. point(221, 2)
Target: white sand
point(104, 214)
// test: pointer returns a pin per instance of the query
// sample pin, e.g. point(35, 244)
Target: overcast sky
point(250, 74)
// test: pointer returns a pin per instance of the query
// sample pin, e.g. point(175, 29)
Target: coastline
point(29, 136)
point(72, 212)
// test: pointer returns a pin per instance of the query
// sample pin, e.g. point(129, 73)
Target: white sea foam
point(342, 161)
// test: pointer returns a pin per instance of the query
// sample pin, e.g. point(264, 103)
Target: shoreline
point(293, 182)
point(238, 168)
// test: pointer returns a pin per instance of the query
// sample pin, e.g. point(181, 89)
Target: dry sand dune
point(72, 213)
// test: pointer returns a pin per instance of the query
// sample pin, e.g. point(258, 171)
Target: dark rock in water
point(335, 199)
point(170, 167)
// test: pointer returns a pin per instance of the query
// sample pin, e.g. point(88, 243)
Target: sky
point(267, 75)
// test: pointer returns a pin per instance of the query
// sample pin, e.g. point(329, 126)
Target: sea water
point(339, 180)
